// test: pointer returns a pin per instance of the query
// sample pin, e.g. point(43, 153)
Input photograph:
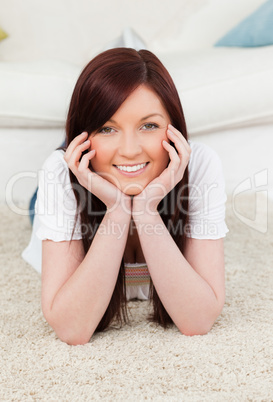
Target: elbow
point(192, 329)
point(71, 336)
point(195, 330)
point(73, 339)
point(67, 334)
point(200, 325)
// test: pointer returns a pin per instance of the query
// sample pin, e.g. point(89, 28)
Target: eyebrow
point(151, 115)
point(143, 118)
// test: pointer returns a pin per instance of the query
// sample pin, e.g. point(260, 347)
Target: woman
point(130, 209)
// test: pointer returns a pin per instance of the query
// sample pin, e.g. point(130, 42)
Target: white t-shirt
point(56, 206)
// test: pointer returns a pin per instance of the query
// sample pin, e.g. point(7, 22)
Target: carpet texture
point(141, 361)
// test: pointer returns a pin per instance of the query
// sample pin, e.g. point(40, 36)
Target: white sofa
point(226, 92)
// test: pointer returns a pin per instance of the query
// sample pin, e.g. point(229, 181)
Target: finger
point(184, 155)
point(74, 143)
point(180, 147)
point(177, 163)
point(180, 136)
point(174, 157)
point(77, 153)
point(182, 150)
point(84, 163)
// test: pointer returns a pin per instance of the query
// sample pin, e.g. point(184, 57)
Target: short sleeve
point(207, 197)
point(56, 203)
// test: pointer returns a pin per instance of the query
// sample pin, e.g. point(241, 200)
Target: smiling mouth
point(131, 168)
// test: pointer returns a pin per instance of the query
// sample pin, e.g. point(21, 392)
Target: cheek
point(99, 162)
point(164, 159)
point(102, 155)
point(161, 156)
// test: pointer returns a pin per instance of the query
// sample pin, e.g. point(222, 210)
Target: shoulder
point(204, 164)
point(55, 169)
point(202, 150)
point(207, 195)
point(54, 185)
point(202, 155)
point(55, 161)
point(56, 205)
point(206, 178)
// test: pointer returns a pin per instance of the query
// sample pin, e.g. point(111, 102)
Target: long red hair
point(102, 87)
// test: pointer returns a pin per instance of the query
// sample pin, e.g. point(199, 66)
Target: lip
point(132, 174)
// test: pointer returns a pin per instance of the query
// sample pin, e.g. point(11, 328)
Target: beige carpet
point(234, 362)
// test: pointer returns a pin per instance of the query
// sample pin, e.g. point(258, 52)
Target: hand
point(107, 192)
point(157, 189)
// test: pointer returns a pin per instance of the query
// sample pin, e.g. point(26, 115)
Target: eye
point(149, 126)
point(106, 130)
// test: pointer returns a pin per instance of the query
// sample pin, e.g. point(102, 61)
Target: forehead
point(142, 101)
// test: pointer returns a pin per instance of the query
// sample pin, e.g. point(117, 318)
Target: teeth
point(131, 168)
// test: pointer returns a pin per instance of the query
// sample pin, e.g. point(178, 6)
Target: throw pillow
point(3, 34)
point(255, 30)
point(128, 38)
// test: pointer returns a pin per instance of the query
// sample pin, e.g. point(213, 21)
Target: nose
point(130, 145)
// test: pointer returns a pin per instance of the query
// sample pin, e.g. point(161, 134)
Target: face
point(129, 151)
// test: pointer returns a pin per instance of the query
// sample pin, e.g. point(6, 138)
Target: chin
point(132, 191)
point(134, 188)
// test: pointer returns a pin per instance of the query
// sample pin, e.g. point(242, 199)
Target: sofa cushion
point(36, 94)
point(255, 30)
point(223, 87)
point(128, 38)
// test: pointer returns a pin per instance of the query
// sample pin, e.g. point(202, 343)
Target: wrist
point(143, 208)
point(144, 213)
point(149, 225)
point(121, 209)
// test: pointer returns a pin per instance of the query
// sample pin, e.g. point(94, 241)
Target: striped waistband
point(137, 274)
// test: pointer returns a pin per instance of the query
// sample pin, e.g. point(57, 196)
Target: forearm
point(187, 297)
point(82, 301)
